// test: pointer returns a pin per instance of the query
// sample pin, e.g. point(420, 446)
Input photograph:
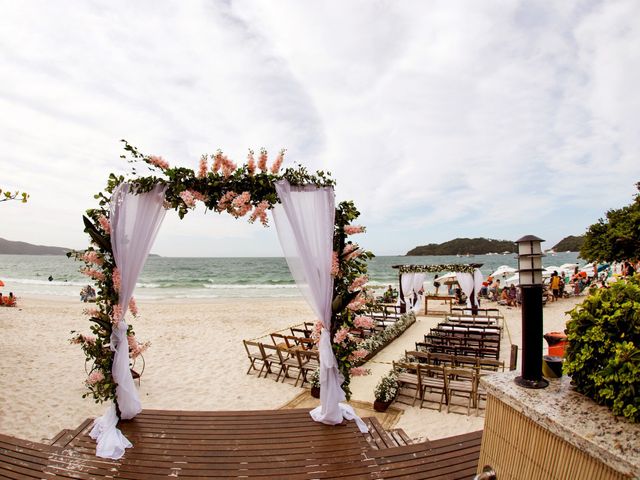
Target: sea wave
point(29, 281)
point(247, 287)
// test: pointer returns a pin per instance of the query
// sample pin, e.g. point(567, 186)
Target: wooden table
point(442, 298)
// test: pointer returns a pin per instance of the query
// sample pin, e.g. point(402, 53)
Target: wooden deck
point(283, 444)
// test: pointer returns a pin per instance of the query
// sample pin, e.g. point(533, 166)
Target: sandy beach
point(196, 362)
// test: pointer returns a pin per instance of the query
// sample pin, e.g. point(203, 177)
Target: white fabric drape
point(478, 278)
point(305, 223)
point(406, 286)
point(466, 285)
point(470, 282)
point(417, 283)
point(135, 221)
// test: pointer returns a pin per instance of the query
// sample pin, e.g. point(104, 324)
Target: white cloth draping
point(466, 285)
point(478, 278)
point(111, 443)
point(135, 221)
point(470, 282)
point(406, 288)
point(305, 224)
point(417, 283)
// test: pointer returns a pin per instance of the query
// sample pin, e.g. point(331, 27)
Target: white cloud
point(440, 119)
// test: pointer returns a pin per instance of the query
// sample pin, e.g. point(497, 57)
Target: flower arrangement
point(381, 339)
point(387, 388)
point(314, 378)
point(224, 186)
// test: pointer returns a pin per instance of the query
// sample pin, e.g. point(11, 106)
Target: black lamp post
point(530, 273)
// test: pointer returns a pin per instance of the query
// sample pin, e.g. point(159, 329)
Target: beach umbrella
point(503, 271)
point(515, 280)
point(1, 283)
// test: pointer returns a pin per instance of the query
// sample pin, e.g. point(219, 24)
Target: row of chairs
point(446, 383)
point(484, 366)
point(266, 358)
point(469, 351)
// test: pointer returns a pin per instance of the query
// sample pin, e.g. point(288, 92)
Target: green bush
point(603, 355)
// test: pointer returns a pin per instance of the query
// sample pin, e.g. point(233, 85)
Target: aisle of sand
point(196, 362)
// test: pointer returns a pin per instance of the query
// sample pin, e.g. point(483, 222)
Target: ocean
point(209, 278)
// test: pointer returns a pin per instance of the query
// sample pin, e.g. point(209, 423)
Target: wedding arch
point(329, 268)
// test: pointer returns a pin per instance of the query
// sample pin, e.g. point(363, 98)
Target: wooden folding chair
point(271, 356)
point(461, 382)
point(308, 361)
point(408, 377)
point(255, 354)
point(433, 379)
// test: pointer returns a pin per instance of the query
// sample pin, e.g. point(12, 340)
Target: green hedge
point(603, 355)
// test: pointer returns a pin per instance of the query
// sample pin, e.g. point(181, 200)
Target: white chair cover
point(305, 225)
point(135, 221)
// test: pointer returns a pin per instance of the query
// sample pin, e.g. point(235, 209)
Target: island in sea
point(483, 246)
point(10, 247)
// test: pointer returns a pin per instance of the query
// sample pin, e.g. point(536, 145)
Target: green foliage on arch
point(220, 185)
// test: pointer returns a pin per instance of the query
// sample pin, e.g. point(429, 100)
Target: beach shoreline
point(196, 361)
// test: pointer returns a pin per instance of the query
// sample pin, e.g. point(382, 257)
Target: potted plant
point(314, 379)
point(385, 392)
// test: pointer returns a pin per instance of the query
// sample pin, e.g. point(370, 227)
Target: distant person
point(436, 283)
point(629, 270)
point(554, 284)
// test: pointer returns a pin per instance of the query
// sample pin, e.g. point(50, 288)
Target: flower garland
point(223, 186)
point(449, 267)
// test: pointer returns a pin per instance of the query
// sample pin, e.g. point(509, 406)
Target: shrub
point(387, 388)
point(603, 355)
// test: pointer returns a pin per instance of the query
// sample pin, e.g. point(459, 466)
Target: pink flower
point(350, 251)
point(91, 256)
point(358, 283)
point(158, 162)
point(356, 304)
point(241, 205)
point(95, 377)
point(278, 163)
point(91, 312)
point(115, 277)
point(335, 265)
point(217, 161)
point(133, 307)
point(188, 198)
point(262, 160)
point(104, 224)
point(260, 212)
point(199, 196)
point(88, 339)
point(363, 322)
point(202, 170)
point(358, 354)
point(353, 229)
point(251, 163)
point(359, 371)
point(90, 272)
point(116, 315)
point(341, 335)
point(136, 348)
point(317, 331)
point(225, 201)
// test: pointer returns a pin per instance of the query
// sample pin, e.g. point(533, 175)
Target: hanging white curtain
point(135, 221)
point(305, 224)
point(466, 284)
point(478, 278)
point(406, 286)
point(418, 281)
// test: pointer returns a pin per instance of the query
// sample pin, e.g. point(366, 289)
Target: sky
point(439, 119)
